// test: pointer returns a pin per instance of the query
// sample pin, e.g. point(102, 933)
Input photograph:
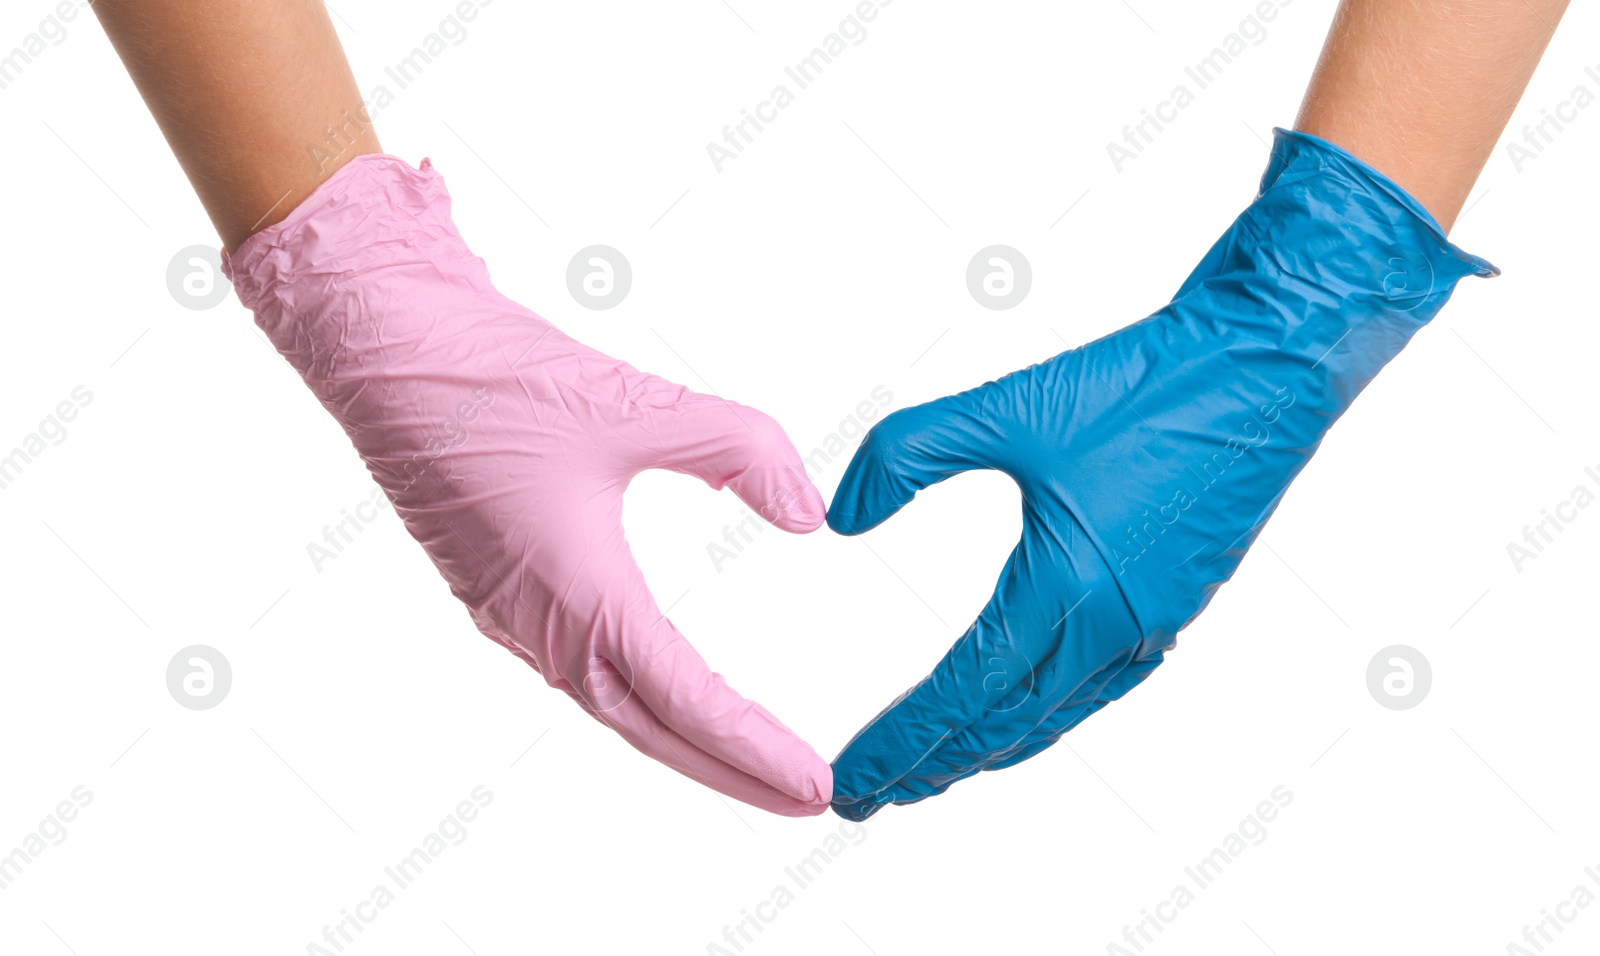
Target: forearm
point(1422, 89)
point(246, 94)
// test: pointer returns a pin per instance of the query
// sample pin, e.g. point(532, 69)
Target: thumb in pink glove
point(505, 446)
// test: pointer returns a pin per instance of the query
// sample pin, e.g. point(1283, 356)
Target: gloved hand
point(1148, 462)
point(506, 446)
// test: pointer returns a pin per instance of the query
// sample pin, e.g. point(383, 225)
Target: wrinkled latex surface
point(1148, 461)
point(505, 446)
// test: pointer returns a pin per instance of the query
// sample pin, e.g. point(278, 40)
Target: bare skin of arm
point(242, 89)
point(1422, 89)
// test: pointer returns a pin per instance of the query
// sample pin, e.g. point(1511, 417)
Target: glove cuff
point(350, 224)
point(1301, 158)
point(367, 264)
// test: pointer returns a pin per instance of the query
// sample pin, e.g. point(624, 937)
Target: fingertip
point(848, 522)
point(802, 791)
point(877, 482)
point(855, 812)
point(814, 792)
point(774, 481)
point(790, 807)
point(821, 796)
point(859, 781)
point(803, 515)
point(846, 514)
point(776, 769)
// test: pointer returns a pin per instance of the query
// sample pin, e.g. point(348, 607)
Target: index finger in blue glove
point(909, 450)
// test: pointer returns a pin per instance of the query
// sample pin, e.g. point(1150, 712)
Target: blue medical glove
point(1148, 462)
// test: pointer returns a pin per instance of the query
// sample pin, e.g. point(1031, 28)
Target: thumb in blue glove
point(1148, 462)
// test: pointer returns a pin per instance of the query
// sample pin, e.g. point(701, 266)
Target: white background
point(365, 706)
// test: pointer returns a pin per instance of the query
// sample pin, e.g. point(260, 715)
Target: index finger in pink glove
point(506, 446)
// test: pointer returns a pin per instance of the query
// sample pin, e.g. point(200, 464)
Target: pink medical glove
point(506, 446)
